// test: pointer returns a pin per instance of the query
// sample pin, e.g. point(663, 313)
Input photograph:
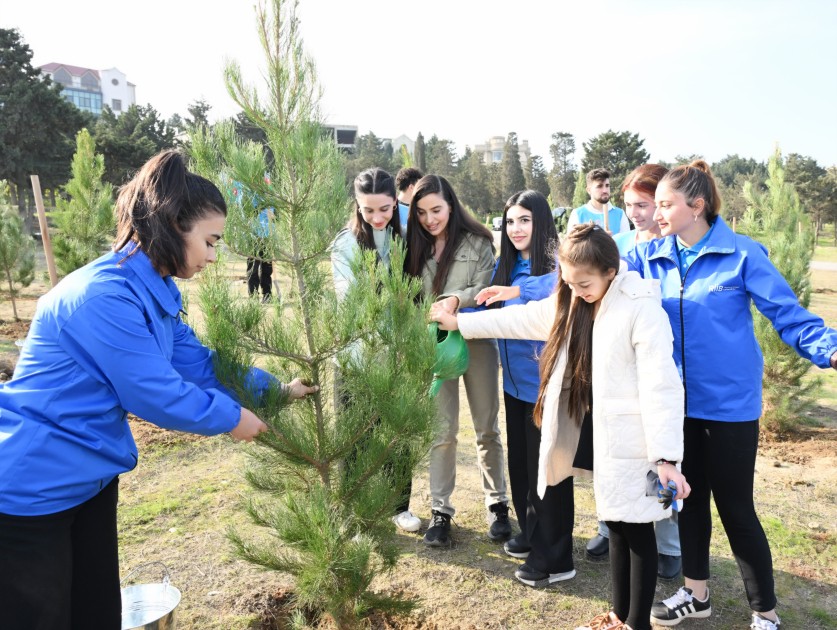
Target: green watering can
point(451, 356)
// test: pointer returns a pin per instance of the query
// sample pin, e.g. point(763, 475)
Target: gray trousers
point(483, 399)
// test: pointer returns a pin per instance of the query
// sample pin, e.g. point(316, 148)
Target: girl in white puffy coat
point(607, 361)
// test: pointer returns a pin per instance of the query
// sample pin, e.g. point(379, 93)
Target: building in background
point(91, 90)
point(396, 143)
point(345, 136)
point(492, 150)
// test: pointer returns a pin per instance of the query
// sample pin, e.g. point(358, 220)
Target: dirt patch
point(803, 444)
point(147, 434)
point(11, 329)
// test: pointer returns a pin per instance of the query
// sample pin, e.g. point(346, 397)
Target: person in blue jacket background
point(106, 341)
point(524, 272)
point(709, 276)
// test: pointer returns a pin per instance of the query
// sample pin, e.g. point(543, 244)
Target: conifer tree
point(327, 476)
point(17, 251)
point(513, 178)
point(776, 219)
point(535, 175)
point(419, 155)
point(580, 196)
point(84, 219)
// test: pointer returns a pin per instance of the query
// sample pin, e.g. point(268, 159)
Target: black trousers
point(61, 571)
point(719, 460)
point(259, 274)
point(633, 571)
point(547, 523)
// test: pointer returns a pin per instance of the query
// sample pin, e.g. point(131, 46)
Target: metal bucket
point(149, 606)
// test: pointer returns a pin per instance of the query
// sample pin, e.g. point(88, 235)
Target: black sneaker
point(516, 548)
point(539, 579)
point(668, 567)
point(498, 520)
point(598, 548)
point(676, 608)
point(438, 534)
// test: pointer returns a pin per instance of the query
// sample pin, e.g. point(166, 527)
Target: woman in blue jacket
point(709, 276)
point(106, 341)
point(524, 272)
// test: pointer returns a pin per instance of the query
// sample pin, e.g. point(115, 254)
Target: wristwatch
point(660, 462)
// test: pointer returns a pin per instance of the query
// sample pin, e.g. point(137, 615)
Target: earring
point(695, 218)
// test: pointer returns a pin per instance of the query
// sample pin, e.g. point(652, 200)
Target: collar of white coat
point(631, 284)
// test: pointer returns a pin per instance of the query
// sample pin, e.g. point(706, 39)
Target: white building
point(492, 150)
point(90, 90)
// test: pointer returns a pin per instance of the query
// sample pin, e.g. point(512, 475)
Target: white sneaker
point(760, 623)
point(407, 521)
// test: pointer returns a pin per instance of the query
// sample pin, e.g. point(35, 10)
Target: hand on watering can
point(447, 321)
point(248, 427)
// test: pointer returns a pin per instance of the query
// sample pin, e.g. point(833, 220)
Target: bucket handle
point(166, 579)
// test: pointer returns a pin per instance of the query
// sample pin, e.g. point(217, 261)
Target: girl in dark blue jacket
point(709, 276)
point(108, 339)
point(524, 272)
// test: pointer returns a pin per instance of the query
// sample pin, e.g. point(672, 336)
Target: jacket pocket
point(624, 435)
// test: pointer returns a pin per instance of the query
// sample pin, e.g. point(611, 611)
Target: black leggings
point(633, 571)
point(547, 524)
point(719, 459)
point(61, 571)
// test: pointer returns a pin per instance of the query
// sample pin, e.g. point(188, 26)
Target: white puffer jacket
point(637, 394)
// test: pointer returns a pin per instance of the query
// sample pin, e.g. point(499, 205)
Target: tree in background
point(496, 191)
point(369, 151)
point(775, 218)
point(17, 250)
point(811, 184)
point(324, 493)
point(580, 196)
point(472, 186)
point(513, 177)
point(440, 158)
point(419, 154)
point(37, 126)
point(84, 219)
point(618, 152)
point(129, 140)
point(562, 176)
point(731, 174)
point(198, 114)
point(535, 175)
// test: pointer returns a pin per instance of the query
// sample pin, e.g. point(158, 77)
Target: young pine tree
point(776, 219)
point(580, 196)
point(84, 220)
point(17, 251)
point(328, 473)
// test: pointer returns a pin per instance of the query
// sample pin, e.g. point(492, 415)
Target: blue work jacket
point(715, 347)
point(108, 339)
point(519, 357)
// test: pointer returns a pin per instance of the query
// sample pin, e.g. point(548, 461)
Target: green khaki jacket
point(470, 273)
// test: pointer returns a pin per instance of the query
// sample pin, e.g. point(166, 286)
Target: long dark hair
point(544, 239)
point(420, 242)
point(373, 181)
point(160, 204)
point(587, 245)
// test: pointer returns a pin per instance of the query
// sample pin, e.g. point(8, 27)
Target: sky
point(713, 78)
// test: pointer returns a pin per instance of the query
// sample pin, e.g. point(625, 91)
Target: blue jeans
point(667, 531)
